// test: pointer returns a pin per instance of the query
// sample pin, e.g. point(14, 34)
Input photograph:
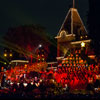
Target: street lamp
point(39, 46)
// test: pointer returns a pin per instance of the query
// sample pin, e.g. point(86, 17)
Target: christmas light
point(82, 44)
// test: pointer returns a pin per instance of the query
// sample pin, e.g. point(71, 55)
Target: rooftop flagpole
point(72, 17)
point(73, 3)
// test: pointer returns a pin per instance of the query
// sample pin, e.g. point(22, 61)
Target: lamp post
point(39, 46)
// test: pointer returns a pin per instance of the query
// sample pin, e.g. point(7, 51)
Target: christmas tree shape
point(73, 58)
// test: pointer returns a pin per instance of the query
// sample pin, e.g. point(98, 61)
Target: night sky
point(47, 13)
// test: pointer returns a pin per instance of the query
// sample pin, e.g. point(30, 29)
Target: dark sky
point(48, 13)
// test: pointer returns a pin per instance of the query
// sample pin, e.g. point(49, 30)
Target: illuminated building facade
point(72, 36)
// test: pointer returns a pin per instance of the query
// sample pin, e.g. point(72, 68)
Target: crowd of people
point(50, 81)
point(74, 77)
point(77, 77)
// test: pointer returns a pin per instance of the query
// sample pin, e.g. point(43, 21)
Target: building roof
point(73, 24)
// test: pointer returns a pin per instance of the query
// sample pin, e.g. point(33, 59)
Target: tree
point(25, 40)
point(93, 22)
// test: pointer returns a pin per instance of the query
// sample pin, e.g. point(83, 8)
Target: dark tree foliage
point(97, 83)
point(94, 24)
point(26, 39)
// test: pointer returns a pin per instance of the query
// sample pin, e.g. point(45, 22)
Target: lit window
point(10, 54)
point(5, 54)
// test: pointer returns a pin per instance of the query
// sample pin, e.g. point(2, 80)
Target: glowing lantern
point(81, 61)
point(63, 61)
point(66, 61)
point(70, 58)
point(25, 66)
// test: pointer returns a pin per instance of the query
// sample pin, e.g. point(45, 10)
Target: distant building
point(8, 54)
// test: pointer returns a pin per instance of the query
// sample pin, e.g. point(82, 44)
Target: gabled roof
point(73, 24)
